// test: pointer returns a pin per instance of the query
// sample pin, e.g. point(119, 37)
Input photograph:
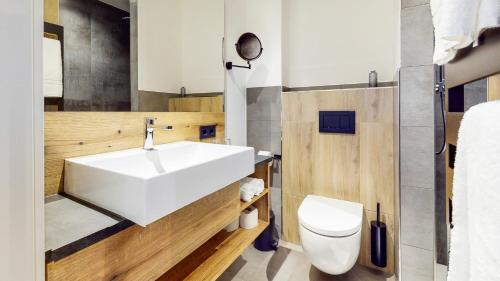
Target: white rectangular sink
point(144, 186)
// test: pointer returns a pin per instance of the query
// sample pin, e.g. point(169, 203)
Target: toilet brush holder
point(378, 241)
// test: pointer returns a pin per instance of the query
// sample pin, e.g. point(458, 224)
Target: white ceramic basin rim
point(144, 186)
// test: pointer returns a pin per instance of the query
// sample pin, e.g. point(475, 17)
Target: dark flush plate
point(340, 122)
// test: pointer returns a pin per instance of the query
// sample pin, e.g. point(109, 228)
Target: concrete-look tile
point(275, 195)
point(276, 174)
point(258, 128)
point(275, 144)
point(237, 270)
point(264, 103)
point(417, 156)
point(275, 127)
point(417, 264)
point(259, 142)
point(417, 217)
point(295, 267)
point(413, 3)
point(417, 36)
point(417, 96)
point(475, 93)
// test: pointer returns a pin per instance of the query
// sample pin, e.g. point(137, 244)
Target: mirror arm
point(230, 65)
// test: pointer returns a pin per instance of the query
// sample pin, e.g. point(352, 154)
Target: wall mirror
point(133, 55)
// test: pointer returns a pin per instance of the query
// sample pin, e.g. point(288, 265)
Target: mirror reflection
point(138, 55)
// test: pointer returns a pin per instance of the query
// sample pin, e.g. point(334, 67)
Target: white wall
point(331, 42)
point(180, 44)
point(159, 45)
point(235, 93)
point(202, 30)
point(263, 17)
point(21, 142)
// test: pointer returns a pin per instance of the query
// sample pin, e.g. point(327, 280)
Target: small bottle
point(372, 79)
point(183, 92)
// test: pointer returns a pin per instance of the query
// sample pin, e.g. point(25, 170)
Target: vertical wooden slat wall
point(358, 168)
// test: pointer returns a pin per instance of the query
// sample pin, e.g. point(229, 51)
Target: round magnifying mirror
point(248, 48)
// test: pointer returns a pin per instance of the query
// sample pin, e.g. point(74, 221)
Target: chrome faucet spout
point(149, 133)
point(148, 142)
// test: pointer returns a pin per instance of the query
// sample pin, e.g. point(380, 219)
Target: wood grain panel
point(145, 253)
point(494, 87)
point(51, 11)
point(358, 168)
point(377, 173)
point(196, 104)
point(72, 134)
point(364, 254)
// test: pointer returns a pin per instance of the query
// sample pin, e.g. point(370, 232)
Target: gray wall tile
point(276, 170)
point(417, 156)
point(417, 96)
point(475, 93)
point(264, 133)
point(440, 210)
point(264, 103)
point(416, 264)
point(96, 55)
point(417, 217)
point(417, 36)
point(413, 3)
point(276, 207)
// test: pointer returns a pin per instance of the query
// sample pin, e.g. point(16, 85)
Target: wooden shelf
point(244, 205)
point(226, 253)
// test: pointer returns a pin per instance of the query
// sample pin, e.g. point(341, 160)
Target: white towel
point(52, 68)
point(458, 24)
point(250, 187)
point(488, 16)
point(475, 240)
point(247, 192)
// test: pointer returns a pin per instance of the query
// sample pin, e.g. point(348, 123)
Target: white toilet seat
point(330, 232)
point(330, 217)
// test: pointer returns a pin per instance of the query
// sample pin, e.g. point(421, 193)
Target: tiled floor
point(288, 265)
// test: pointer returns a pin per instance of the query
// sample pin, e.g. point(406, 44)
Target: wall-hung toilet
point(330, 232)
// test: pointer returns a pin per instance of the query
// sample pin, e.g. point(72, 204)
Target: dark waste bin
point(268, 239)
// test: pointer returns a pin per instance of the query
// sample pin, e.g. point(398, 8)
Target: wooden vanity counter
point(189, 244)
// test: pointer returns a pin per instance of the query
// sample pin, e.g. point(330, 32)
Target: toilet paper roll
point(249, 218)
point(233, 226)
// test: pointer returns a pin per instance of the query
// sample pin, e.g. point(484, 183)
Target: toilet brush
point(378, 241)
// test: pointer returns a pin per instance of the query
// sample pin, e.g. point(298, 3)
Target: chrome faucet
point(148, 133)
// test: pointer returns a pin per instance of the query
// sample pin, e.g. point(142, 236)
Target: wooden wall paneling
point(72, 134)
point(376, 176)
point(289, 216)
point(358, 168)
point(263, 172)
point(494, 87)
point(145, 253)
point(365, 253)
point(184, 268)
point(196, 104)
point(263, 206)
point(51, 11)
